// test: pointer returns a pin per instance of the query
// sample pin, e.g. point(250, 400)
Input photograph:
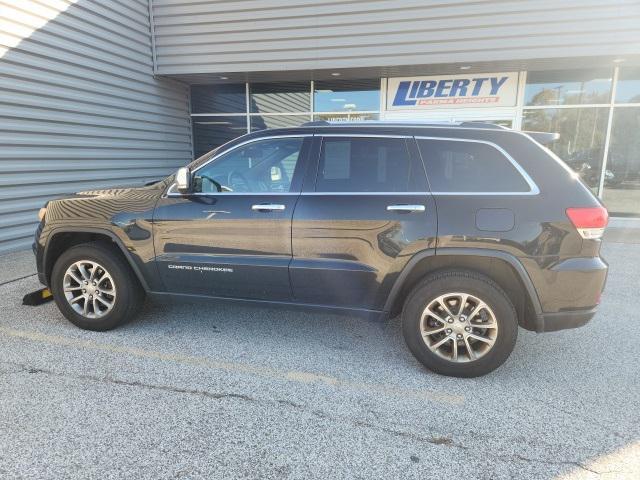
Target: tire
point(114, 276)
point(499, 319)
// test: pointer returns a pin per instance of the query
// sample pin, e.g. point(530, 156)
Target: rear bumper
point(569, 292)
point(551, 322)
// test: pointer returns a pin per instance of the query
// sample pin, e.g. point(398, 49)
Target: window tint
point(257, 167)
point(368, 165)
point(568, 87)
point(628, 89)
point(456, 166)
point(582, 137)
point(280, 97)
point(346, 95)
point(212, 131)
point(219, 98)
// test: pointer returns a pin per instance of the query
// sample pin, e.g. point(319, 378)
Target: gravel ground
point(220, 391)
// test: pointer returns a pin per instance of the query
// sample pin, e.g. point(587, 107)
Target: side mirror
point(183, 180)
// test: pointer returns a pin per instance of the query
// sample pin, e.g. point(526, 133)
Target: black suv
point(469, 230)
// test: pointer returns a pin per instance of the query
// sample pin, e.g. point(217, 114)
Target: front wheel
point(95, 288)
point(459, 323)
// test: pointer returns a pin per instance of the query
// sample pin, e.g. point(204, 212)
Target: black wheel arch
point(502, 267)
point(62, 238)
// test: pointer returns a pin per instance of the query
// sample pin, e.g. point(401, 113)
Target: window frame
point(298, 173)
point(533, 187)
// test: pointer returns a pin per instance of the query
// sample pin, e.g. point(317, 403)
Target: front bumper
point(38, 251)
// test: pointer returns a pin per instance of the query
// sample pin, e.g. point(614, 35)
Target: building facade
point(98, 93)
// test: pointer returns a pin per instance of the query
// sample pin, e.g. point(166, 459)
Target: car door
point(231, 236)
point(357, 226)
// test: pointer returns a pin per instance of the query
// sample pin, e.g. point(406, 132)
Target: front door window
point(263, 166)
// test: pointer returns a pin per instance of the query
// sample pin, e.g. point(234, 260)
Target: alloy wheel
point(89, 289)
point(459, 327)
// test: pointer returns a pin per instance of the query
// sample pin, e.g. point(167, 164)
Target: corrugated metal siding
point(79, 106)
point(275, 35)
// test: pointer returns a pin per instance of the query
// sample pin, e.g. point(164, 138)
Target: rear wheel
point(459, 323)
point(95, 288)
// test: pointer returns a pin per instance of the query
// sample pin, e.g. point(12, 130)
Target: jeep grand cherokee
point(468, 230)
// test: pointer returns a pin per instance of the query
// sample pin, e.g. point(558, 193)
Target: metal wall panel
point(280, 35)
point(79, 106)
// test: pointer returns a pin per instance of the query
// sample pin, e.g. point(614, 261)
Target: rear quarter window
point(469, 167)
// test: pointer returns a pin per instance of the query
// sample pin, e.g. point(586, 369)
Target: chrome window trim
point(172, 193)
point(533, 188)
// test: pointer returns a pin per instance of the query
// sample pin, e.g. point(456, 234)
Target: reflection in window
point(628, 88)
point(582, 134)
point(368, 165)
point(280, 97)
point(346, 96)
point(622, 179)
point(218, 98)
point(568, 87)
point(257, 167)
point(260, 122)
point(211, 132)
point(469, 167)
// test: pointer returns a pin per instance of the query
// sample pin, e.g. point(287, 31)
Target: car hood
point(106, 205)
point(124, 191)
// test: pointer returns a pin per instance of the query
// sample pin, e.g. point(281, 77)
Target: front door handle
point(267, 207)
point(405, 208)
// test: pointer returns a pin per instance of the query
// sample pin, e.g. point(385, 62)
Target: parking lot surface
point(225, 391)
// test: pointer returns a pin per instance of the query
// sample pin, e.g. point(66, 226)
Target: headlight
point(41, 213)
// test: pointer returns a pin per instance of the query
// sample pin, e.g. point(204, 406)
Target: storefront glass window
point(568, 87)
point(582, 135)
point(622, 179)
point(211, 132)
point(282, 97)
point(218, 98)
point(628, 88)
point(347, 96)
point(260, 122)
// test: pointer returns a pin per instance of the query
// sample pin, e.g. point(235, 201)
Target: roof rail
point(406, 123)
point(489, 125)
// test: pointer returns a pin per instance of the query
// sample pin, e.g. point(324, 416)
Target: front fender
point(140, 262)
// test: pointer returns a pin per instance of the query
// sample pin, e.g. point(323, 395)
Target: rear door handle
point(267, 207)
point(405, 208)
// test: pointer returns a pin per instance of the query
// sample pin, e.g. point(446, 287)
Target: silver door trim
point(406, 208)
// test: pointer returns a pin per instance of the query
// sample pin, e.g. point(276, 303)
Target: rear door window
point(368, 164)
point(455, 166)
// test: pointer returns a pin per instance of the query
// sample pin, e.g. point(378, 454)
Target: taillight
point(590, 221)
